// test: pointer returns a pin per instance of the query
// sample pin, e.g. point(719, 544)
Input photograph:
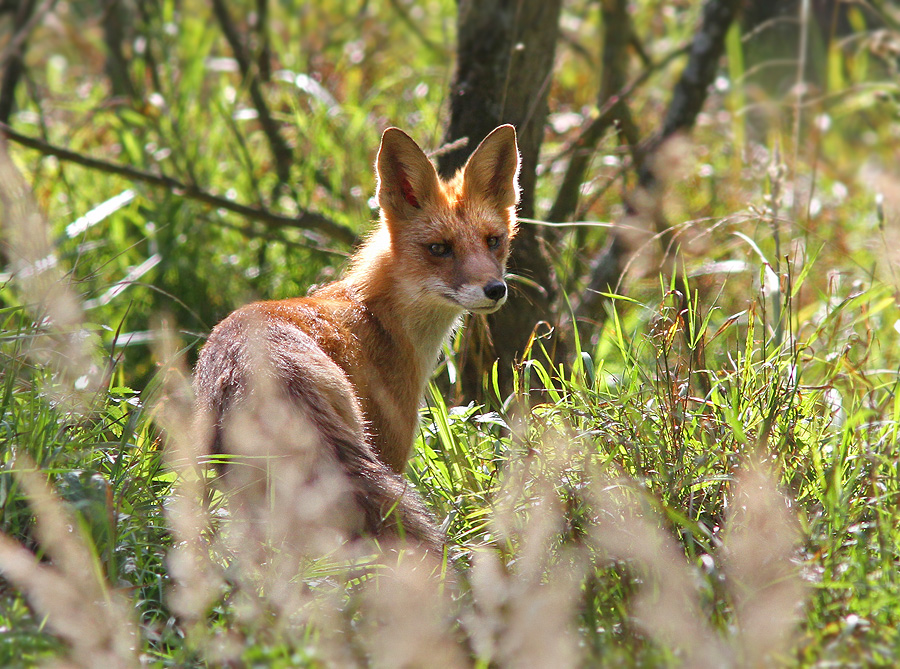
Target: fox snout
point(480, 298)
point(495, 290)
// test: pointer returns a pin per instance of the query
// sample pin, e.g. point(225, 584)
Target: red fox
point(351, 361)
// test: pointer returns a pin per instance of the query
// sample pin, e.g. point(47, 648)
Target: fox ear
point(407, 180)
point(492, 171)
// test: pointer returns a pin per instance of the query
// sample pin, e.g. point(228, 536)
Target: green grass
point(683, 479)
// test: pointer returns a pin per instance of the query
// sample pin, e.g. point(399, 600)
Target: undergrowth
point(709, 479)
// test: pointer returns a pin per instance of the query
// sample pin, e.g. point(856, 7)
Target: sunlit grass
point(638, 505)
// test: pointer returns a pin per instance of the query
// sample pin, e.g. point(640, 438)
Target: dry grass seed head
point(524, 612)
point(761, 544)
point(63, 344)
point(71, 592)
point(196, 579)
point(667, 607)
point(407, 619)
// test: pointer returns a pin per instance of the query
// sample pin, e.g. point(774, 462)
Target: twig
point(16, 42)
point(448, 147)
point(250, 233)
point(798, 93)
point(590, 135)
point(280, 149)
point(117, 63)
point(687, 100)
point(263, 50)
point(14, 59)
point(616, 31)
point(621, 96)
point(689, 95)
point(306, 220)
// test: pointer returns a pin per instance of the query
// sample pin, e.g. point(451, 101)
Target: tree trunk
point(504, 68)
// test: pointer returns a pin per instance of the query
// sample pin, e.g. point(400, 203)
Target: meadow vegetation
point(709, 477)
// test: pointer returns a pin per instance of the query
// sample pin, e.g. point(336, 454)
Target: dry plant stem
point(689, 94)
point(94, 621)
point(622, 95)
point(270, 539)
point(405, 620)
point(524, 613)
point(262, 579)
point(688, 97)
point(306, 220)
point(760, 543)
point(761, 540)
point(281, 152)
point(196, 580)
point(668, 606)
point(687, 100)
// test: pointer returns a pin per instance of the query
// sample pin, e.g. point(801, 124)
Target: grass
point(698, 488)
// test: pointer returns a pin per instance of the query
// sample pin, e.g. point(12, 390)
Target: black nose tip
point(495, 290)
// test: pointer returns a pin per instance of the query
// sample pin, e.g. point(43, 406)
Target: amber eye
point(493, 242)
point(440, 250)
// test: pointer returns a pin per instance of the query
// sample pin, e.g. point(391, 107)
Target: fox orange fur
point(352, 360)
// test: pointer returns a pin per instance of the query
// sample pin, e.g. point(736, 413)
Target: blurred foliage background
point(158, 87)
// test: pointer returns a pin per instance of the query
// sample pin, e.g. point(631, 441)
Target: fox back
point(331, 383)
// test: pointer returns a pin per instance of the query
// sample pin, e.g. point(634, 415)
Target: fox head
point(449, 240)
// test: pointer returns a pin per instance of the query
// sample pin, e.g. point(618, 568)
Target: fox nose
point(495, 290)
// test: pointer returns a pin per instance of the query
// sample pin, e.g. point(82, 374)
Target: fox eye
point(440, 250)
point(493, 242)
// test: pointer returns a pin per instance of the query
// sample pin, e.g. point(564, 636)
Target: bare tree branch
point(584, 144)
point(21, 35)
point(13, 62)
point(307, 220)
point(262, 46)
point(603, 119)
point(689, 95)
point(616, 35)
point(114, 19)
point(280, 150)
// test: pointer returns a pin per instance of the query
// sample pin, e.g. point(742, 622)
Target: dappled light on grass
point(61, 340)
point(521, 600)
point(96, 621)
point(651, 525)
point(760, 556)
point(526, 588)
point(197, 580)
